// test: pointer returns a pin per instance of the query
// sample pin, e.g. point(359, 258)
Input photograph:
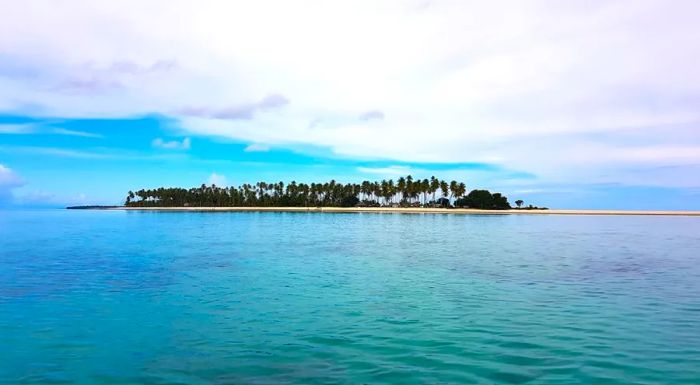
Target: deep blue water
point(111, 297)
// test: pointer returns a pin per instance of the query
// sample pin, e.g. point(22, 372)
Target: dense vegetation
point(483, 199)
point(405, 192)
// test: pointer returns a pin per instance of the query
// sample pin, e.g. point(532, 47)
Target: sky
point(576, 104)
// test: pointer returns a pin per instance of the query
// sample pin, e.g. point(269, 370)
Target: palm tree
point(365, 189)
point(386, 192)
point(391, 190)
point(461, 190)
point(425, 188)
point(444, 188)
point(376, 191)
point(401, 188)
point(519, 203)
point(434, 186)
point(409, 188)
point(453, 189)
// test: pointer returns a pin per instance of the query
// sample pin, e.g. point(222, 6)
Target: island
point(404, 193)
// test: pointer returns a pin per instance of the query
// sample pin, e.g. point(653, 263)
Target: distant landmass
point(404, 192)
point(91, 207)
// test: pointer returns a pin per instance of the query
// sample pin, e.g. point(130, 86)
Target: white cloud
point(17, 129)
point(391, 171)
point(216, 179)
point(455, 81)
point(55, 151)
point(529, 191)
point(32, 128)
point(63, 131)
point(257, 147)
point(36, 198)
point(245, 111)
point(41, 198)
point(372, 115)
point(9, 180)
point(172, 145)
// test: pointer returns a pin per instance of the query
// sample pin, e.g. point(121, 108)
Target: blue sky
point(579, 105)
point(85, 161)
point(97, 161)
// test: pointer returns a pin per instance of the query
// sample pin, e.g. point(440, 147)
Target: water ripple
point(230, 298)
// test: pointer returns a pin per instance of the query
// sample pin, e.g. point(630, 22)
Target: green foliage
point(349, 201)
point(406, 192)
point(483, 199)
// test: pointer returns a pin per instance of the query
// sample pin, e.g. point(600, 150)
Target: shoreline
point(407, 210)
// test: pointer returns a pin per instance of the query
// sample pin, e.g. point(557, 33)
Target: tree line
point(405, 192)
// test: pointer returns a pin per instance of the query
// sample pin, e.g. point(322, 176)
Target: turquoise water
point(97, 297)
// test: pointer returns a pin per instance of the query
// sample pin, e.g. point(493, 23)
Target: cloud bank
point(581, 90)
point(185, 144)
point(216, 179)
point(257, 147)
point(9, 180)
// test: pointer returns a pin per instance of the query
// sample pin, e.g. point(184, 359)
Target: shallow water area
point(124, 297)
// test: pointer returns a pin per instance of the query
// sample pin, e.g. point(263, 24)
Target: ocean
point(114, 297)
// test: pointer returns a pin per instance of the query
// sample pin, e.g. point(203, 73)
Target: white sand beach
point(416, 210)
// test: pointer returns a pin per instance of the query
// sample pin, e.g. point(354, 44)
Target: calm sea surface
point(98, 297)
